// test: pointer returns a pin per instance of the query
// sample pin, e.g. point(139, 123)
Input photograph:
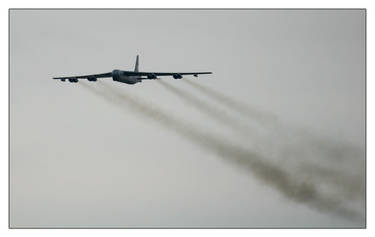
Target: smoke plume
point(237, 106)
point(338, 166)
point(293, 189)
point(209, 110)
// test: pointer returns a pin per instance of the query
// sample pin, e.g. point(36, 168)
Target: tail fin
point(136, 64)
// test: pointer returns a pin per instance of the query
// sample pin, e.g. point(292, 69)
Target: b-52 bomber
point(130, 77)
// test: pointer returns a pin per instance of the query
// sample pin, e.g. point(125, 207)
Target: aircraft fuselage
point(121, 76)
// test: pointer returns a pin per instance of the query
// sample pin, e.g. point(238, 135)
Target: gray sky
point(80, 160)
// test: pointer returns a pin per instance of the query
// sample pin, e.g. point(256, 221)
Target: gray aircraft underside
point(130, 77)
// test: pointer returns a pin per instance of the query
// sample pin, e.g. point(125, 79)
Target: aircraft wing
point(92, 77)
point(174, 74)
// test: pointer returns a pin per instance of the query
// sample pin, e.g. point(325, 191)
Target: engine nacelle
point(74, 80)
point(177, 76)
point(195, 75)
point(91, 79)
point(151, 76)
point(62, 79)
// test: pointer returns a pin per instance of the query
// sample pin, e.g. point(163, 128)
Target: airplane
point(130, 77)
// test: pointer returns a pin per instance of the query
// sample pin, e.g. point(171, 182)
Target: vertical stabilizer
point(136, 64)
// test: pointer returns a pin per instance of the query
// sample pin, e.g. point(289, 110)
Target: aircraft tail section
point(136, 64)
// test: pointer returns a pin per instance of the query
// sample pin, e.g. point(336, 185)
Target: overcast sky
point(79, 159)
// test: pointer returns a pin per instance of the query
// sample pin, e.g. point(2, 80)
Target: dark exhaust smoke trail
point(243, 109)
point(348, 186)
point(273, 123)
point(209, 110)
point(277, 127)
point(302, 146)
point(269, 174)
